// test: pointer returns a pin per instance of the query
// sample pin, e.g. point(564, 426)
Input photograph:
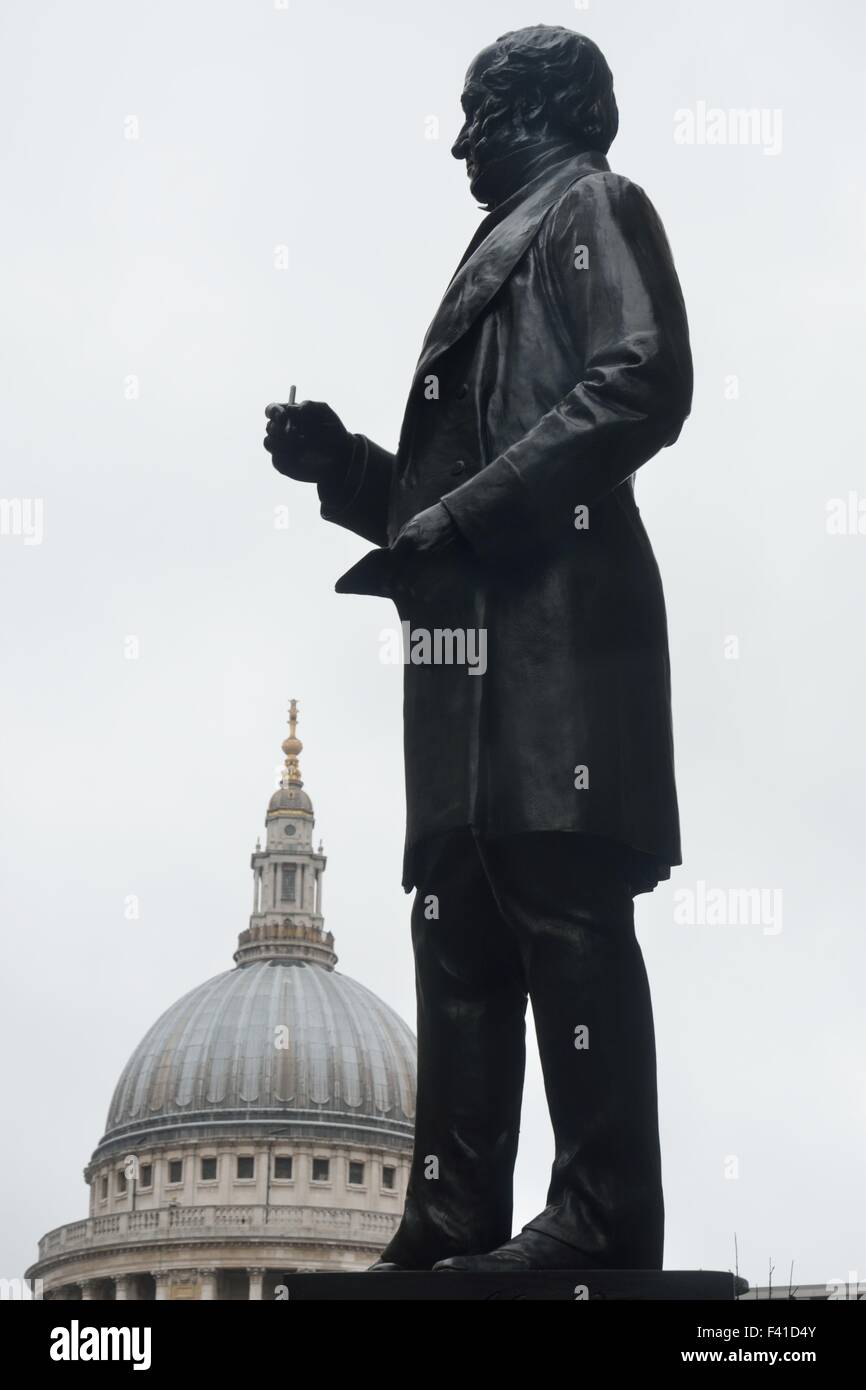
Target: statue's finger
point(294, 417)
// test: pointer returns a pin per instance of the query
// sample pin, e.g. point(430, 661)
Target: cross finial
point(292, 747)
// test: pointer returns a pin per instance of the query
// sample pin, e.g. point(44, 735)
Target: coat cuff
point(495, 511)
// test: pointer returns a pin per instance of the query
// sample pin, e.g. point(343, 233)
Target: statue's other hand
point(430, 530)
point(307, 441)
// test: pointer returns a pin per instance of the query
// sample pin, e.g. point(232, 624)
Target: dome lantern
point(286, 921)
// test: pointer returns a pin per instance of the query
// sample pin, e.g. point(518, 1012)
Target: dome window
point(356, 1174)
point(283, 1166)
point(287, 883)
point(120, 1182)
point(208, 1169)
point(145, 1178)
point(389, 1178)
point(103, 1188)
point(246, 1167)
point(321, 1170)
point(175, 1170)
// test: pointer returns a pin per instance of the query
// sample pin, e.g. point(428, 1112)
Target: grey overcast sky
point(147, 322)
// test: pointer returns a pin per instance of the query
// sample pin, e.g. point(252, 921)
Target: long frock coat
point(557, 364)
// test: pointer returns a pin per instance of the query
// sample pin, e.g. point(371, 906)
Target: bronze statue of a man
point(540, 791)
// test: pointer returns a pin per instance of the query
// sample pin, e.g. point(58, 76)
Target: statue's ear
point(532, 107)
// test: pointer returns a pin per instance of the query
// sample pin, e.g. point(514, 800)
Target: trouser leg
point(590, 999)
point(471, 1050)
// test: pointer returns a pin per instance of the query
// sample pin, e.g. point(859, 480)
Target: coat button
point(458, 469)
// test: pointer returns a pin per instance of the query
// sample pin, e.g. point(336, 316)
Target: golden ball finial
point(292, 746)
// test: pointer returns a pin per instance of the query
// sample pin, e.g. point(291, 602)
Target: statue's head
point(531, 85)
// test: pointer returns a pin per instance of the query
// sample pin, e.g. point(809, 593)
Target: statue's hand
point(307, 441)
point(429, 531)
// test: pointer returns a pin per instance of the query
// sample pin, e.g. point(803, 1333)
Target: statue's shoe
point(529, 1250)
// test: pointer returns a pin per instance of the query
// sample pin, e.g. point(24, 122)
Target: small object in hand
point(292, 395)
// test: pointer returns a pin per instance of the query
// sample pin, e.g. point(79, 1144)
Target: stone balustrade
point(183, 1222)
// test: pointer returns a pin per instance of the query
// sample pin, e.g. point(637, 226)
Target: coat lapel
point(484, 270)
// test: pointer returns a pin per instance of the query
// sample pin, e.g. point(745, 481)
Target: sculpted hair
point(549, 75)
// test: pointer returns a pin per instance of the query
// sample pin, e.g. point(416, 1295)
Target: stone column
point(122, 1288)
point(161, 1279)
point(88, 1289)
point(257, 1277)
point(207, 1279)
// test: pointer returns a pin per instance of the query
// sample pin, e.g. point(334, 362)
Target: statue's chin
point(482, 187)
point(495, 178)
point(507, 164)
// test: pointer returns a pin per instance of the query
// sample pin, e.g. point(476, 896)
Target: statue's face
point(482, 150)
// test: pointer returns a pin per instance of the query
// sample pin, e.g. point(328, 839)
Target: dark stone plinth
point(556, 1285)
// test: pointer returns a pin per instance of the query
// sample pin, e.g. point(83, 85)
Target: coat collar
point(492, 255)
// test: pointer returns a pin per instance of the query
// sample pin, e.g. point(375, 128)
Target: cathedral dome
point(264, 1123)
point(273, 1042)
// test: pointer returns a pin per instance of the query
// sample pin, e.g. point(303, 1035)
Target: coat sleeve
point(359, 501)
point(635, 374)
